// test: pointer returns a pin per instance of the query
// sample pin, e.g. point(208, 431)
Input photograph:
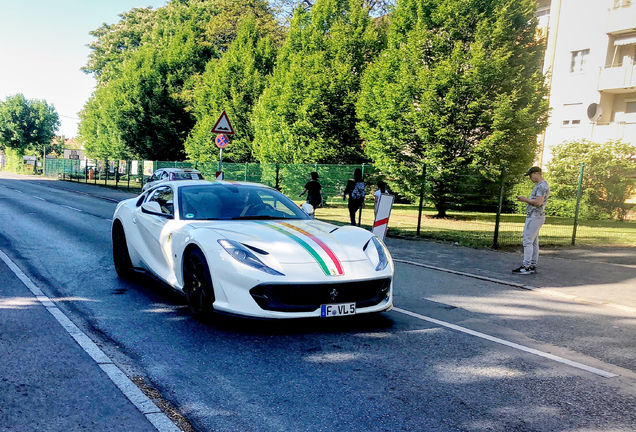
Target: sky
point(43, 45)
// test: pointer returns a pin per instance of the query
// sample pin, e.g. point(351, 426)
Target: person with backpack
point(313, 188)
point(356, 192)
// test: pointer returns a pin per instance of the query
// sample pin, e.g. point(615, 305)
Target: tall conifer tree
point(459, 87)
point(307, 111)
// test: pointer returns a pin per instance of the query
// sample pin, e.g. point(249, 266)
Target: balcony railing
point(613, 131)
point(617, 79)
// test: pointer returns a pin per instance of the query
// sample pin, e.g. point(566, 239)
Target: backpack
point(358, 191)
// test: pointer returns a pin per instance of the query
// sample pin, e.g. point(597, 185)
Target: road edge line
point(128, 388)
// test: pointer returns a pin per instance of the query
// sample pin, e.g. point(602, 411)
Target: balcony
point(613, 131)
point(618, 79)
point(622, 17)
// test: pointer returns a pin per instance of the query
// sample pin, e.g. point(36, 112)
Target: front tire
point(198, 286)
point(121, 258)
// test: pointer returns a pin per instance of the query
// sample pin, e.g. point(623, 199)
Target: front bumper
point(240, 290)
point(307, 297)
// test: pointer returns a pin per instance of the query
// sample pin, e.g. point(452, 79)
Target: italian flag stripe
point(304, 244)
point(320, 243)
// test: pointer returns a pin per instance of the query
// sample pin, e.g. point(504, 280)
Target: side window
point(271, 200)
point(164, 175)
point(164, 196)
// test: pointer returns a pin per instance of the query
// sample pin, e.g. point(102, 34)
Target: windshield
point(185, 175)
point(228, 202)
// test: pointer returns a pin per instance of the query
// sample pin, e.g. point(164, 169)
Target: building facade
point(590, 64)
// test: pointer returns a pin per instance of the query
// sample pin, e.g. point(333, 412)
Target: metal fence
point(481, 211)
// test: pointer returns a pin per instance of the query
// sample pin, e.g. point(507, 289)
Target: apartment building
point(590, 61)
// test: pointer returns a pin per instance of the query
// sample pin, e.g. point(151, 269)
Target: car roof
point(192, 170)
point(184, 183)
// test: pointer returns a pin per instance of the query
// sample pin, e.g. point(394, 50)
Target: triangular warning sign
point(223, 125)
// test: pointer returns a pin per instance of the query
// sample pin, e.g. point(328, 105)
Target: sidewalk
point(597, 275)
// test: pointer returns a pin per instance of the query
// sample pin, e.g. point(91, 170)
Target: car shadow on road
point(366, 322)
point(162, 293)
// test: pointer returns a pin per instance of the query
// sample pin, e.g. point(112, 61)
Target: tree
point(115, 41)
point(459, 86)
point(232, 84)
point(142, 106)
point(284, 9)
point(609, 177)
point(307, 111)
point(26, 124)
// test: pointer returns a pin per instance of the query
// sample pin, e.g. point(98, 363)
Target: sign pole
point(223, 127)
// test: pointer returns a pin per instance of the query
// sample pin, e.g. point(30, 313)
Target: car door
point(153, 229)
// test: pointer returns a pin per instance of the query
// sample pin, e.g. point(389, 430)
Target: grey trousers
point(531, 240)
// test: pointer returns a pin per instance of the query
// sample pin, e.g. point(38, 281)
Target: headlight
point(379, 256)
point(245, 256)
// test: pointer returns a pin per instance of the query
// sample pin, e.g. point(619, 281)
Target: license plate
point(332, 310)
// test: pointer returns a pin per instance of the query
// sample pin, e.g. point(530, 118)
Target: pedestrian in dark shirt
point(356, 192)
point(313, 188)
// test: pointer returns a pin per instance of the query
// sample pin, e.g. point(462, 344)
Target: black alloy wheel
point(121, 258)
point(198, 285)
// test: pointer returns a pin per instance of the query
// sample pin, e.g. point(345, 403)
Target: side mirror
point(307, 208)
point(151, 207)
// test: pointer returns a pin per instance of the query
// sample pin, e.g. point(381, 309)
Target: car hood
point(296, 241)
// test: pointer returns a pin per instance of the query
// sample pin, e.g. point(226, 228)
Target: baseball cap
point(534, 169)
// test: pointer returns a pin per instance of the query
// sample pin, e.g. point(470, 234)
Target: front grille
point(309, 297)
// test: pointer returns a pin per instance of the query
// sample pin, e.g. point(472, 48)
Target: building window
point(578, 60)
point(572, 115)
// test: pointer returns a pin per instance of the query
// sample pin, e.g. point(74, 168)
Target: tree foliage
point(307, 110)
point(609, 178)
point(26, 124)
point(142, 105)
point(459, 85)
point(115, 41)
point(233, 84)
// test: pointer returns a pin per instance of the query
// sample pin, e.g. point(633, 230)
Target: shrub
point(609, 178)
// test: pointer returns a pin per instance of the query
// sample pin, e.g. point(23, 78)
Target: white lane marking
point(72, 208)
point(147, 407)
point(40, 198)
point(522, 286)
point(553, 357)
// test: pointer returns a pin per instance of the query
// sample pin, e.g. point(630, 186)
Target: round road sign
point(221, 141)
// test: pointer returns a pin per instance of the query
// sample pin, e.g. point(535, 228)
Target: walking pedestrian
point(535, 217)
point(376, 195)
point(312, 189)
point(356, 192)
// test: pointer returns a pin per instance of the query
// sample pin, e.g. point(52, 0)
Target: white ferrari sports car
point(247, 249)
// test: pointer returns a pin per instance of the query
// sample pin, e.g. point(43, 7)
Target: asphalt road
point(397, 371)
